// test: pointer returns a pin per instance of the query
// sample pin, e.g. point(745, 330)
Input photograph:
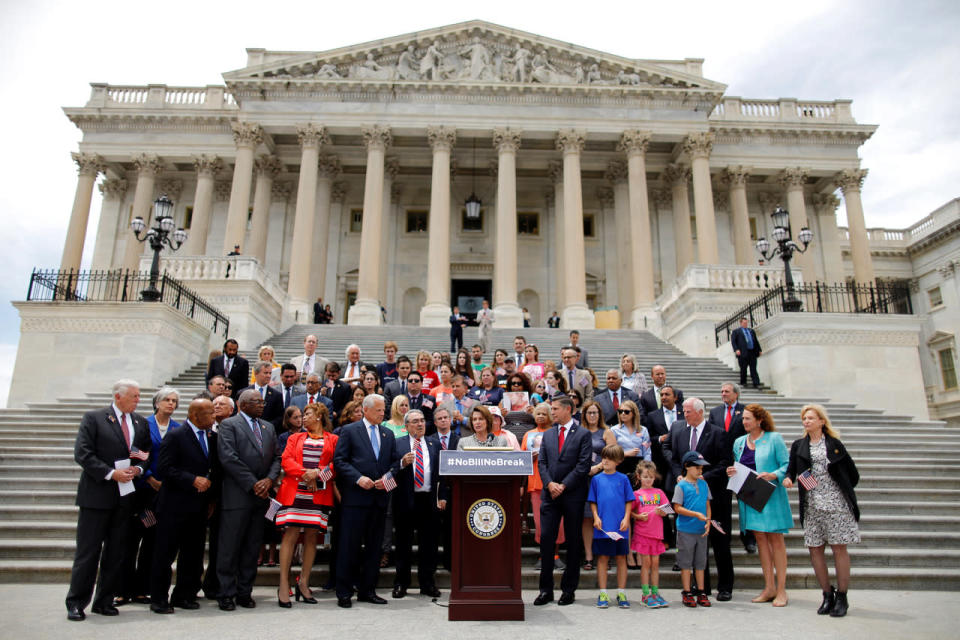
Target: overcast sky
point(898, 61)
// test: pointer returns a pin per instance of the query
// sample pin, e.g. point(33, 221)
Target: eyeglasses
point(624, 410)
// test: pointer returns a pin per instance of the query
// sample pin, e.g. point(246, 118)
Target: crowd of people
point(274, 460)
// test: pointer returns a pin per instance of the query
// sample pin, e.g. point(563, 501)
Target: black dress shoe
point(344, 603)
point(399, 592)
point(750, 547)
point(106, 610)
point(543, 598)
point(724, 596)
point(161, 608)
point(140, 599)
point(76, 614)
point(185, 604)
point(372, 598)
point(676, 567)
point(247, 602)
point(226, 604)
point(565, 598)
point(433, 592)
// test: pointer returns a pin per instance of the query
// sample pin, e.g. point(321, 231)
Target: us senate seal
point(486, 519)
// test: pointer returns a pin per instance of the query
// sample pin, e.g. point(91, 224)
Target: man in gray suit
point(247, 447)
point(578, 379)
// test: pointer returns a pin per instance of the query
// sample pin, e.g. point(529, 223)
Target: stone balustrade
point(726, 276)
point(160, 96)
point(192, 268)
point(734, 108)
point(882, 238)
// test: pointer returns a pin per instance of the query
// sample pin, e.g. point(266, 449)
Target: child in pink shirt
point(648, 512)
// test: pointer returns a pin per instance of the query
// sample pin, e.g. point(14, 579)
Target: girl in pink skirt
point(649, 509)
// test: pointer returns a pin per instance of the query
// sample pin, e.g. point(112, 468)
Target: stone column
point(555, 171)
point(611, 251)
point(436, 311)
point(617, 175)
point(247, 136)
point(828, 237)
point(792, 180)
point(89, 166)
point(388, 234)
point(851, 181)
point(735, 177)
point(207, 168)
point(507, 312)
point(267, 168)
point(677, 176)
point(331, 292)
point(113, 190)
point(148, 168)
point(366, 310)
point(698, 147)
point(575, 314)
point(298, 286)
point(666, 242)
point(634, 144)
point(328, 171)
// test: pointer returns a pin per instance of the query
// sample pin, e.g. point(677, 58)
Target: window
point(948, 369)
point(693, 227)
point(249, 218)
point(187, 217)
point(416, 221)
point(936, 299)
point(589, 228)
point(753, 229)
point(471, 225)
point(356, 220)
point(528, 224)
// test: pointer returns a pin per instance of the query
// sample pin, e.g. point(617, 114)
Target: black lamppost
point(158, 235)
point(785, 247)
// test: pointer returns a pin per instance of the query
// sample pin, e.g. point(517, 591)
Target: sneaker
point(559, 564)
point(661, 603)
point(649, 601)
point(603, 601)
point(622, 601)
point(688, 599)
point(703, 600)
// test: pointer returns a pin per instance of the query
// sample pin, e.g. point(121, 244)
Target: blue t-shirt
point(611, 492)
point(693, 497)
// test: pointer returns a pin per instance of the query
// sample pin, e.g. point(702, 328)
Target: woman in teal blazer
point(763, 450)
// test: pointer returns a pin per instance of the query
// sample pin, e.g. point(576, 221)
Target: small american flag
point(148, 518)
point(325, 474)
point(139, 455)
point(807, 480)
point(389, 484)
point(716, 525)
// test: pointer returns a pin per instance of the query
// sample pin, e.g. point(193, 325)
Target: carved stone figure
point(579, 75)
point(628, 78)
point(479, 60)
point(370, 69)
point(543, 72)
point(328, 71)
point(407, 65)
point(431, 62)
point(521, 64)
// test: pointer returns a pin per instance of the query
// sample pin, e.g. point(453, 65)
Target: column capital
point(698, 145)
point(148, 164)
point(793, 178)
point(571, 141)
point(328, 167)
point(221, 188)
point(113, 188)
point(850, 179)
point(555, 171)
point(720, 199)
point(634, 141)
point(247, 134)
point(676, 174)
point(377, 137)
point(506, 140)
point(661, 198)
point(616, 171)
point(825, 202)
point(281, 191)
point(89, 164)
point(207, 166)
point(605, 196)
point(268, 165)
point(338, 192)
point(312, 136)
point(391, 168)
point(769, 201)
point(396, 191)
point(736, 175)
point(441, 138)
point(172, 187)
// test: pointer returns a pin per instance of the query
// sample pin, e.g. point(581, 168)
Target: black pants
point(241, 532)
point(101, 536)
point(180, 536)
point(358, 556)
point(748, 361)
point(211, 585)
point(445, 524)
point(570, 508)
point(425, 519)
point(720, 542)
point(456, 342)
point(334, 524)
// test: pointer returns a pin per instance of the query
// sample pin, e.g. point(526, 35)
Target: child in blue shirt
point(610, 500)
point(691, 501)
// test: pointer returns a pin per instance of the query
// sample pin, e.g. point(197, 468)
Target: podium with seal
point(485, 554)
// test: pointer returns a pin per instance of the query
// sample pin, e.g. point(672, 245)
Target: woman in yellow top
point(267, 354)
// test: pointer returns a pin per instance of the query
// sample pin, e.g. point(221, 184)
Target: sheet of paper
point(126, 488)
point(735, 482)
point(613, 535)
point(667, 509)
point(272, 510)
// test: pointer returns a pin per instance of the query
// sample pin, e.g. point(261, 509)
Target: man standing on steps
point(112, 448)
point(309, 362)
point(231, 366)
point(318, 312)
point(584, 361)
point(519, 345)
point(578, 379)
point(746, 346)
point(728, 417)
point(650, 400)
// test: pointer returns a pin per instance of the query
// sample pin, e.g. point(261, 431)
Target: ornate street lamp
point(473, 203)
point(162, 233)
point(785, 248)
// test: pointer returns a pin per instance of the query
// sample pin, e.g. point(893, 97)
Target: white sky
point(897, 60)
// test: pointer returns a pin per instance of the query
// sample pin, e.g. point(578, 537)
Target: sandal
point(588, 565)
point(384, 561)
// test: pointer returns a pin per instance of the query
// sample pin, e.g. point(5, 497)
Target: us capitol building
point(476, 161)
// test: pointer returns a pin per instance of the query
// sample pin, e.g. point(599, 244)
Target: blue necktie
point(203, 443)
point(374, 442)
point(256, 433)
point(748, 337)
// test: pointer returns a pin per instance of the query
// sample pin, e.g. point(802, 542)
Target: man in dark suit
point(746, 347)
point(186, 464)
point(365, 453)
point(446, 439)
point(613, 396)
point(658, 425)
point(312, 395)
point(564, 464)
point(335, 389)
point(231, 366)
point(695, 433)
point(272, 399)
point(397, 387)
point(247, 450)
point(318, 311)
point(728, 417)
point(106, 437)
point(420, 401)
point(289, 387)
point(351, 369)
point(650, 400)
point(417, 504)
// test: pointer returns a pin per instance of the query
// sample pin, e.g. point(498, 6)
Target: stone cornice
point(106, 120)
point(767, 133)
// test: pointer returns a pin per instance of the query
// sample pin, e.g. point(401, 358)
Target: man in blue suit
point(365, 453)
point(746, 347)
point(564, 464)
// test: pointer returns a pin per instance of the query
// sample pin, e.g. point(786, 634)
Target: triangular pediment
point(473, 52)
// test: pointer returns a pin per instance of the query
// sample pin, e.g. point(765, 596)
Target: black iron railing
point(123, 286)
point(821, 298)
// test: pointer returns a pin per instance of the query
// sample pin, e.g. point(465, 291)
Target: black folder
point(755, 492)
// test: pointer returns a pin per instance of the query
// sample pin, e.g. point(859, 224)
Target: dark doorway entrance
point(468, 294)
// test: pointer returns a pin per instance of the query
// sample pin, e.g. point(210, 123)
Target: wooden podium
point(485, 558)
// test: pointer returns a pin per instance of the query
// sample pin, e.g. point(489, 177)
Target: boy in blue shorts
point(610, 497)
point(691, 501)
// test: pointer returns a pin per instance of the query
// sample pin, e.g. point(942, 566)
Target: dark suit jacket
point(739, 343)
point(239, 373)
point(181, 460)
point(99, 444)
point(840, 466)
point(456, 326)
point(453, 439)
point(243, 462)
point(712, 444)
point(426, 404)
point(272, 404)
point(403, 496)
point(339, 395)
point(569, 466)
point(345, 366)
point(657, 426)
point(354, 458)
point(648, 401)
point(603, 399)
point(390, 391)
point(717, 416)
point(300, 402)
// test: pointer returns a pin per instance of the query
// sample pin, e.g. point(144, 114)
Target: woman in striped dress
point(307, 494)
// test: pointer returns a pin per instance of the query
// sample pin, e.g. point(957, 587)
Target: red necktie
point(310, 400)
point(562, 431)
point(123, 426)
point(726, 421)
point(616, 401)
point(443, 442)
point(418, 466)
